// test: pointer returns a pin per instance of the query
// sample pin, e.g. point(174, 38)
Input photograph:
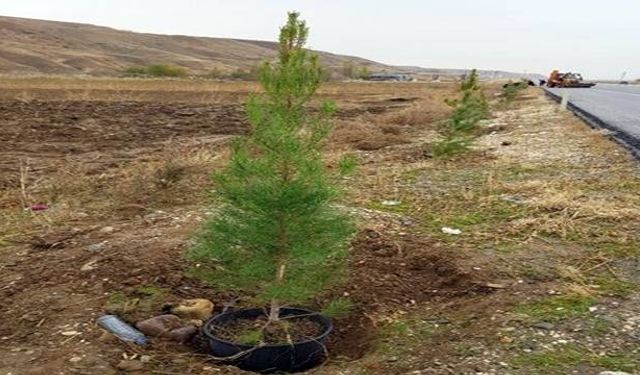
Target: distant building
point(396, 77)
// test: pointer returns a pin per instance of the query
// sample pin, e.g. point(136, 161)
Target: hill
point(52, 47)
point(38, 46)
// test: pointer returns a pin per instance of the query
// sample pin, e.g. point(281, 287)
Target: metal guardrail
point(630, 143)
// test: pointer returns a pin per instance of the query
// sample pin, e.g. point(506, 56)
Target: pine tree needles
point(276, 234)
point(458, 130)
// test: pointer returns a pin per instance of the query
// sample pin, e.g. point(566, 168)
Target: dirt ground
point(542, 278)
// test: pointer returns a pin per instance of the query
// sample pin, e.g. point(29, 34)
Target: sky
point(600, 39)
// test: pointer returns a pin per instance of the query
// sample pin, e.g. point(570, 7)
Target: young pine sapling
point(276, 233)
point(468, 110)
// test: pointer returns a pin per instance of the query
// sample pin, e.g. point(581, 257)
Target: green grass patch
point(599, 326)
point(152, 297)
point(250, 337)
point(151, 290)
point(458, 179)
point(620, 250)
point(453, 146)
point(456, 199)
point(400, 208)
point(488, 215)
point(557, 308)
point(618, 362)
point(120, 303)
point(395, 329)
point(520, 172)
point(611, 285)
point(117, 298)
point(403, 336)
point(508, 248)
point(156, 70)
point(563, 359)
point(466, 220)
point(537, 272)
point(465, 350)
point(551, 362)
point(412, 175)
point(145, 298)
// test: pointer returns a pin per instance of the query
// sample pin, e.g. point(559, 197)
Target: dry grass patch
point(372, 132)
point(177, 178)
point(421, 115)
point(363, 136)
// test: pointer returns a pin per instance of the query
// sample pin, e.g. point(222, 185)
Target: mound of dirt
point(389, 274)
point(399, 272)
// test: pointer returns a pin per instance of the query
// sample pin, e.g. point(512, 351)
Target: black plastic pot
point(300, 356)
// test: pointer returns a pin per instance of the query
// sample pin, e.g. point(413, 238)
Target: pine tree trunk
point(274, 310)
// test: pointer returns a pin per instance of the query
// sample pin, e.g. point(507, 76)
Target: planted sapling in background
point(458, 130)
point(511, 90)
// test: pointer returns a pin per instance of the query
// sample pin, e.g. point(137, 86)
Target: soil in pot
point(254, 331)
point(244, 339)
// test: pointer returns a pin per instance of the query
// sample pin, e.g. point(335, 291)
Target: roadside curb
point(630, 143)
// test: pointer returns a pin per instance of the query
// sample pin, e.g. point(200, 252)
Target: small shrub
point(349, 69)
point(136, 71)
point(156, 70)
point(213, 74)
point(363, 72)
point(165, 70)
point(252, 74)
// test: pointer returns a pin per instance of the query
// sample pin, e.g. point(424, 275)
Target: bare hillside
point(37, 46)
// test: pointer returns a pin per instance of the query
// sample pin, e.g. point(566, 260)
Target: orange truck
point(557, 79)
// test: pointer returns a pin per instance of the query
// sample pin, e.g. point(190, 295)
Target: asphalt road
point(615, 107)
